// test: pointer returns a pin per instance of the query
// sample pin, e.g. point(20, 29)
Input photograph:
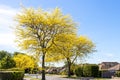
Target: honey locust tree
point(71, 48)
point(37, 29)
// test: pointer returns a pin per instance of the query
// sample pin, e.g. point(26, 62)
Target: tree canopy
point(71, 48)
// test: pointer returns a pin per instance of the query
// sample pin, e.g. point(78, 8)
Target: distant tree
point(3, 54)
point(38, 28)
point(6, 60)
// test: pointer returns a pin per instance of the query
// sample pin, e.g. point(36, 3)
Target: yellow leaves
point(24, 61)
point(31, 17)
point(84, 46)
point(61, 49)
point(53, 58)
point(27, 43)
point(37, 28)
point(69, 45)
point(82, 40)
point(68, 40)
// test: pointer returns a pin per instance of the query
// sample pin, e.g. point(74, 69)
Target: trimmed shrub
point(95, 70)
point(11, 75)
point(117, 73)
point(90, 70)
point(99, 74)
point(87, 70)
point(79, 71)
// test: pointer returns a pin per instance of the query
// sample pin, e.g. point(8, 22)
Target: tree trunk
point(43, 67)
point(69, 69)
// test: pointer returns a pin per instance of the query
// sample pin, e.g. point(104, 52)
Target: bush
point(6, 60)
point(95, 70)
point(79, 71)
point(87, 70)
point(117, 73)
point(11, 75)
point(99, 74)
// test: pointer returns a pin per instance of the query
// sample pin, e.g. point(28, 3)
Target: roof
point(109, 66)
point(116, 67)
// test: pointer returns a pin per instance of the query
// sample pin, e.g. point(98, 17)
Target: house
point(107, 65)
point(109, 68)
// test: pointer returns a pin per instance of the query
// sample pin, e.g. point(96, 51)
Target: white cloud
point(7, 15)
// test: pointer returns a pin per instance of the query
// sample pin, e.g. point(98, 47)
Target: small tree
point(70, 48)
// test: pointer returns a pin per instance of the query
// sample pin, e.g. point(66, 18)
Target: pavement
point(48, 77)
point(56, 77)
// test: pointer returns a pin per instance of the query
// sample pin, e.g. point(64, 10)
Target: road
point(56, 77)
point(48, 77)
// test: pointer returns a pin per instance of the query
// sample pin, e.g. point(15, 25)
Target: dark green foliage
point(87, 70)
point(32, 70)
point(4, 54)
point(99, 74)
point(79, 71)
point(11, 75)
point(90, 70)
point(6, 60)
point(94, 70)
point(117, 73)
point(28, 70)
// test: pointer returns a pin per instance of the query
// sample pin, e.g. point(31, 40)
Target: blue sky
point(98, 19)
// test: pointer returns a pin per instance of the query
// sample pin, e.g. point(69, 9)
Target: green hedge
point(117, 73)
point(87, 70)
point(11, 75)
point(95, 70)
point(79, 71)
